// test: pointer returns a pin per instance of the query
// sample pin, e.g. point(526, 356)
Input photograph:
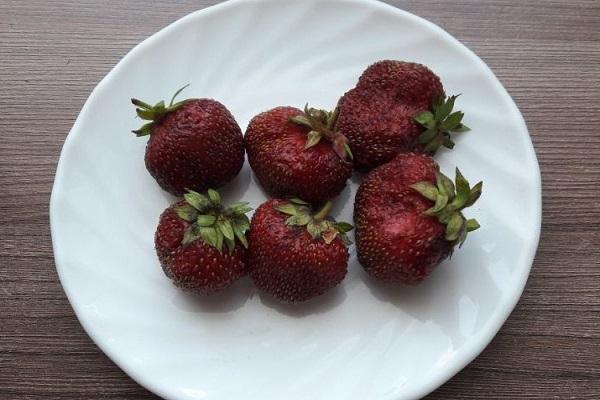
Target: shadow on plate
point(341, 201)
point(228, 300)
point(357, 177)
point(458, 306)
point(318, 305)
point(237, 188)
point(170, 199)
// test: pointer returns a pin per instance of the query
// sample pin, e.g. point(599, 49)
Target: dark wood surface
point(547, 54)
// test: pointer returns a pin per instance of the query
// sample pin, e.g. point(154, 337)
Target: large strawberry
point(408, 218)
point(295, 254)
point(201, 245)
point(298, 154)
point(194, 144)
point(396, 107)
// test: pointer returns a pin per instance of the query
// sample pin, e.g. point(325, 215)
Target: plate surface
point(361, 341)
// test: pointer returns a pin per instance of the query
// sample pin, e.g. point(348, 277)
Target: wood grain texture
point(546, 53)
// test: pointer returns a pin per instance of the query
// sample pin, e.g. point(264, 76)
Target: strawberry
point(408, 218)
point(201, 245)
point(297, 154)
point(194, 144)
point(294, 254)
point(396, 107)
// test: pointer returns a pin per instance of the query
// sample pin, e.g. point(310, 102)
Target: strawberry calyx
point(212, 222)
point(318, 224)
point(321, 124)
point(155, 113)
point(440, 123)
point(450, 199)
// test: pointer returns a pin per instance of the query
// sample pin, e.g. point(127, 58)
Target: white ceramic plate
point(360, 341)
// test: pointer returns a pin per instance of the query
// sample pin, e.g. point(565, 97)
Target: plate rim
point(434, 381)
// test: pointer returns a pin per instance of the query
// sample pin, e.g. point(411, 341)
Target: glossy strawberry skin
point(377, 115)
point(284, 167)
point(285, 262)
point(197, 266)
point(396, 242)
point(198, 146)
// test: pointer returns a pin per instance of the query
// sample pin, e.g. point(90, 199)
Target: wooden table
point(547, 54)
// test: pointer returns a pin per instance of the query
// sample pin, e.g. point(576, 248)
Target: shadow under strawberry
point(318, 305)
point(234, 298)
point(439, 299)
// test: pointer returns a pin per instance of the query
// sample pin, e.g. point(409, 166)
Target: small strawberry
point(298, 154)
point(396, 107)
point(194, 144)
point(295, 255)
point(201, 245)
point(409, 217)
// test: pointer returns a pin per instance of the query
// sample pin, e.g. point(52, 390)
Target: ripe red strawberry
point(408, 218)
point(396, 107)
point(201, 245)
point(297, 154)
point(194, 144)
point(295, 255)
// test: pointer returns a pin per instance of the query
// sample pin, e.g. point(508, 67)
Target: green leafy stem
point(318, 224)
point(154, 113)
point(440, 123)
point(321, 124)
point(450, 199)
point(212, 222)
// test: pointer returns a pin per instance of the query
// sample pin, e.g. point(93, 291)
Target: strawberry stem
point(317, 225)
point(440, 124)
point(177, 94)
point(323, 212)
point(154, 114)
point(321, 123)
point(213, 223)
point(450, 199)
